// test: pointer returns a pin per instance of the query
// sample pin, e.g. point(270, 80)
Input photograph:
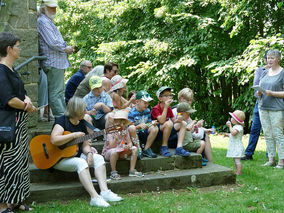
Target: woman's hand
point(78, 134)
point(30, 108)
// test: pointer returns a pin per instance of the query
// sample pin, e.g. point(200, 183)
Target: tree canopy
point(210, 46)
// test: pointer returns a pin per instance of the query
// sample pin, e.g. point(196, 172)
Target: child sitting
point(118, 144)
point(186, 95)
point(163, 113)
point(194, 134)
point(141, 118)
point(236, 147)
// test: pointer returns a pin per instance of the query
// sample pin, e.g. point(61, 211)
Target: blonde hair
point(75, 107)
point(185, 93)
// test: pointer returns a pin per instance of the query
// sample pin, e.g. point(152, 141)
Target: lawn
point(259, 189)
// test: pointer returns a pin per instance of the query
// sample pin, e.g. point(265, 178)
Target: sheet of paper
point(258, 88)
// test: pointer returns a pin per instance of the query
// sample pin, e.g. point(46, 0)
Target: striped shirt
point(51, 44)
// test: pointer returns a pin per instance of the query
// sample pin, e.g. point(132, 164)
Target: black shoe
point(247, 157)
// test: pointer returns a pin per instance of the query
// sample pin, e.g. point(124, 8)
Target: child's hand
point(155, 123)
point(225, 134)
point(168, 102)
point(200, 123)
point(228, 124)
point(143, 126)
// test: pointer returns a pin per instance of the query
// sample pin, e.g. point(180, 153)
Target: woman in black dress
point(14, 155)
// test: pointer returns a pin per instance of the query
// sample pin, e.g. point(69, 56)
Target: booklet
point(258, 88)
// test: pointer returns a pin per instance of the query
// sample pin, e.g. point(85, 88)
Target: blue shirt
point(91, 100)
point(72, 84)
point(139, 117)
point(51, 44)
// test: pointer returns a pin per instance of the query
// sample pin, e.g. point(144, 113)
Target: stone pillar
point(20, 17)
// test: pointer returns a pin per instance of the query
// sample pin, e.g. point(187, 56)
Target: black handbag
point(7, 125)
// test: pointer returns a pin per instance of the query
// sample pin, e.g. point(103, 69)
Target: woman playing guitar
point(73, 121)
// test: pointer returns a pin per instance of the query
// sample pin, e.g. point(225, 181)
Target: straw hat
point(239, 116)
point(118, 82)
point(121, 114)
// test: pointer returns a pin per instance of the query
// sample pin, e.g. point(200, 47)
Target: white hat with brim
point(50, 3)
point(121, 114)
point(235, 116)
point(118, 82)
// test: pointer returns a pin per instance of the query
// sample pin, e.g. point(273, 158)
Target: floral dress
point(236, 147)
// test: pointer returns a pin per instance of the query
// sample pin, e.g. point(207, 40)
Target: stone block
point(29, 42)
point(32, 91)
point(33, 120)
point(32, 5)
point(32, 20)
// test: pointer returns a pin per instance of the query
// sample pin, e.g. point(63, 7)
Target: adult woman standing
point(73, 121)
point(14, 155)
point(271, 107)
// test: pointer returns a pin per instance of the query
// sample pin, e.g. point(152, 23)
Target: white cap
point(49, 3)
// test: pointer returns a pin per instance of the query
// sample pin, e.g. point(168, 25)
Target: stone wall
point(20, 17)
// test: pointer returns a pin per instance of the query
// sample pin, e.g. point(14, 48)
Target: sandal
point(114, 175)
point(26, 208)
point(134, 173)
point(7, 210)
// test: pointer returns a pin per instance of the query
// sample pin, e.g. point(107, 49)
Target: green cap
point(144, 96)
point(185, 107)
point(95, 82)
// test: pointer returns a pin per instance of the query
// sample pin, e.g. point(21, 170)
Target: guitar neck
point(84, 138)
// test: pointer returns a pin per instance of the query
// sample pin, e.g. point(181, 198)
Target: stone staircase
point(161, 173)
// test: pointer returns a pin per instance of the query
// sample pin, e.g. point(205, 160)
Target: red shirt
point(157, 111)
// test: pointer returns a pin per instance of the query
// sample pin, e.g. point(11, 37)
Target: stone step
point(145, 165)
point(212, 174)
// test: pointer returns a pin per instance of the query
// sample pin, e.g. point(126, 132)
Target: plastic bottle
point(196, 128)
point(213, 130)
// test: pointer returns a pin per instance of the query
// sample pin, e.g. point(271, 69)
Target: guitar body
point(45, 154)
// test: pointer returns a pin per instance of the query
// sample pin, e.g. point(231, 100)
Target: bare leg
point(238, 166)
point(181, 128)
point(153, 131)
point(166, 128)
point(201, 148)
point(113, 159)
point(133, 158)
point(208, 149)
point(100, 174)
point(85, 179)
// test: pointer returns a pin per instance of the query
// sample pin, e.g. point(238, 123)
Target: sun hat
point(185, 107)
point(118, 82)
point(239, 116)
point(162, 89)
point(95, 82)
point(49, 3)
point(121, 114)
point(143, 95)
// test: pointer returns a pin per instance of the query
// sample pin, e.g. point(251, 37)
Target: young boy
point(169, 125)
point(193, 137)
point(186, 95)
point(141, 118)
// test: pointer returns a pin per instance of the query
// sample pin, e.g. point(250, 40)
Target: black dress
point(14, 156)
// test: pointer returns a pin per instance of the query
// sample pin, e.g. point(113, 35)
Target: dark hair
point(6, 40)
point(109, 66)
point(130, 94)
point(265, 54)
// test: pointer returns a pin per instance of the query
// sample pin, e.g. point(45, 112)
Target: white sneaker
point(99, 201)
point(110, 196)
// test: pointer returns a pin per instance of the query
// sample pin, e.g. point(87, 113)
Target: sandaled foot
point(8, 210)
point(269, 164)
point(114, 175)
point(279, 166)
point(134, 173)
point(22, 207)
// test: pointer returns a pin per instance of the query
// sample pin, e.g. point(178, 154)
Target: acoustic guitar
point(45, 155)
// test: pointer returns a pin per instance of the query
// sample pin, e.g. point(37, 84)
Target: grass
point(259, 189)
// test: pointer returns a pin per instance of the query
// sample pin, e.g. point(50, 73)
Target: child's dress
point(120, 145)
point(236, 147)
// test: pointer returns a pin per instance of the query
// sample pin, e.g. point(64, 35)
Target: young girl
point(236, 147)
point(119, 146)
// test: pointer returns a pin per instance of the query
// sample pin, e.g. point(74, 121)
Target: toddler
point(118, 144)
point(236, 147)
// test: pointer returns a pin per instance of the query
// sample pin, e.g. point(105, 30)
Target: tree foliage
point(211, 46)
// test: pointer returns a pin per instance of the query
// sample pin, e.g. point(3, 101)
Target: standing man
point(52, 45)
point(75, 80)
point(256, 125)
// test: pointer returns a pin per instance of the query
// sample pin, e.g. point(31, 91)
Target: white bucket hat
point(118, 82)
